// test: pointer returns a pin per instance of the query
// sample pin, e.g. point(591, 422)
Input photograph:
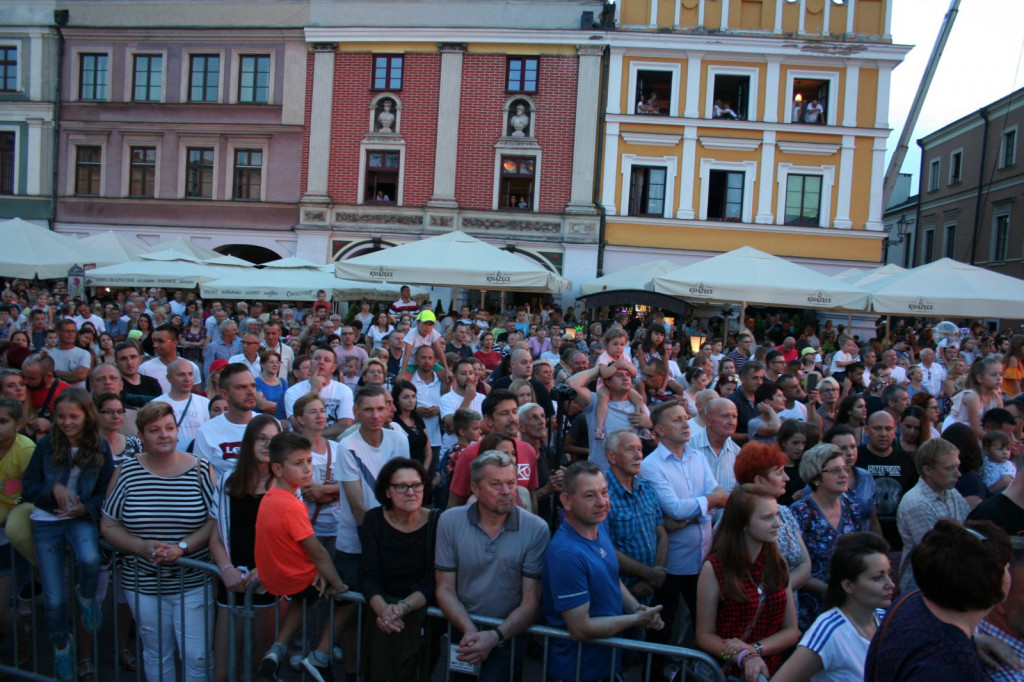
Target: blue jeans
point(82, 535)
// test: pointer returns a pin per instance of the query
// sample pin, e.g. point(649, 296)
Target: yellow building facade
point(746, 122)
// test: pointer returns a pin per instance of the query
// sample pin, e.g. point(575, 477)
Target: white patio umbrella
point(631, 279)
point(295, 279)
point(31, 251)
point(865, 277)
point(117, 245)
point(454, 259)
point(160, 269)
point(188, 248)
point(949, 288)
point(747, 275)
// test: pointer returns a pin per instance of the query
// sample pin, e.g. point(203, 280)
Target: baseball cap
point(219, 363)
point(807, 351)
point(135, 334)
point(426, 316)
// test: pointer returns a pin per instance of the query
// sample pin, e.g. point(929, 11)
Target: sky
point(981, 63)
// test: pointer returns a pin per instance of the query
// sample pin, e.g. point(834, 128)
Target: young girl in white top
point(615, 340)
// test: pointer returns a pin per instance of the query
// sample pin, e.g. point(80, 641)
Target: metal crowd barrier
point(694, 664)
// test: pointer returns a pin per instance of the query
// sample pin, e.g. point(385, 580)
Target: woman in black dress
point(404, 394)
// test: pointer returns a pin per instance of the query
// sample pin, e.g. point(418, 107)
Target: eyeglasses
point(111, 413)
point(403, 488)
point(836, 470)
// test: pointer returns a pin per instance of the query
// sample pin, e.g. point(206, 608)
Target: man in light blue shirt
point(688, 493)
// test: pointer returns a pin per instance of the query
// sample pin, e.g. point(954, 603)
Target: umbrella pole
point(743, 319)
point(502, 301)
point(888, 329)
point(483, 298)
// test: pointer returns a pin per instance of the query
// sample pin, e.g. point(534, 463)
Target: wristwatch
point(184, 547)
point(758, 649)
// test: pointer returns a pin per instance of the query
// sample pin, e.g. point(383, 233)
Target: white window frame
point(129, 75)
point(934, 175)
point(945, 238)
point(186, 71)
point(19, 85)
point(130, 140)
point(671, 166)
point(186, 141)
point(828, 181)
point(397, 145)
point(236, 75)
point(261, 143)
point(76, 140)
point(929, 257)
point(513, 150)
point(18, 141)
point(1002, 146)
point(715, 70)
point(749, 168)
point(76, 72)
point(952, 180)
point(675, 69)
point(1000, 212)
point(833, 78)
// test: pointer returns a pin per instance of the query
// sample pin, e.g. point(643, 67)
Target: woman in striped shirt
point(158, 510)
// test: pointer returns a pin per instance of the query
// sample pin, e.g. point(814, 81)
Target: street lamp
point(901, 233)
point(697, 340)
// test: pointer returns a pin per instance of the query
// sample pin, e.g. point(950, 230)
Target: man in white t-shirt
point(250, 355)
point(336, 395)
point(429, 389)
point(462, 395)
point(86, 315)
point(360, 459)
point(165, 343)
point(190, 409)
point(70, 363)
point(220, 439)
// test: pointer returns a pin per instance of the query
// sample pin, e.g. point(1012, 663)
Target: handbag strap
point(885, 627)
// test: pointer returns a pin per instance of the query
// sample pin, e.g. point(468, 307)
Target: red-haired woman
point(745, 612)
point(764, 465)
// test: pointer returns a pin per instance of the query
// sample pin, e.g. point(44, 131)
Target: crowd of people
point(796, 503)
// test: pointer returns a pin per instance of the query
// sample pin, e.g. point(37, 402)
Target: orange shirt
point(281, 524)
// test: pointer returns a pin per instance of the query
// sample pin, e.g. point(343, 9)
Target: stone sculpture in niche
point(385, 116)
point(519, 122)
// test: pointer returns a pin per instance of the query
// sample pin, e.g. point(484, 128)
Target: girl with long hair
point(981, 393)
point(66, 480)
point(745, 612)
point(852, 413)
point(232, 540)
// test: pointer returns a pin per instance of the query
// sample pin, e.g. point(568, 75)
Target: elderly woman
point(927, 635)
point(862, 483)
point(157, 509)
point(828, 390)
point(824, 515)
point(398, 575)
point(764, 465)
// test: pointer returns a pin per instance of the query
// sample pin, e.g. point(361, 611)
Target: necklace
point(859, 629)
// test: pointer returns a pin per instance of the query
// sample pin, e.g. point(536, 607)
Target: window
point(148, 78)
point(653, 92)
point(522, 74)
point(8, 68)
point(517, 182)
point(928, 246)
point(949, 247)
point(203, 78)
point(92, 83)
point(731, 97)
point(199, 173)
point(254, 78)
point(955, 171)
point(803, 200)
point(142, 172)
point(387, 72)
point(1009, 154)
point(810, 101)
point(248, 174)
point(725, 196)
point(7, 155)
point(1000, 237)
point(647, 191)
point(88, 167)
point(933, 175)
point(382, 175)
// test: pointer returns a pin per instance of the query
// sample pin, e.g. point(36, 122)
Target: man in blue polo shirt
point(582, 589)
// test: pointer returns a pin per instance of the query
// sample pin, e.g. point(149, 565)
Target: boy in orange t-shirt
point(289, 559)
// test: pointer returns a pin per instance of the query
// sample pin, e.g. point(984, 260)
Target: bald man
point(892, 468)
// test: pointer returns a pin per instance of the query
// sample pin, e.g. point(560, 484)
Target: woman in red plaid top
point(745, 611)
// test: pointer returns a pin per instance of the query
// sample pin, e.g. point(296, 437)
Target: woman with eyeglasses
point(824, 515)
point(828, 390)
point(111, 419)
point(745, 612)
point(398, 576)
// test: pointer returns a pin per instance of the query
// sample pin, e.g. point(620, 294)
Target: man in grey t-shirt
point(70, 363)
point(489, 559)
